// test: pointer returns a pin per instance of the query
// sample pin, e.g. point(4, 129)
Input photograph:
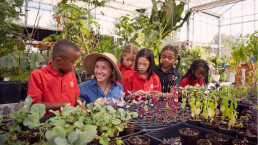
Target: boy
point(55, 85)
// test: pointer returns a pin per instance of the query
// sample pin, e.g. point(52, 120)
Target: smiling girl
point(143, 81)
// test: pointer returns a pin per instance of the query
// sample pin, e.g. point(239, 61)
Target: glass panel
point(44, 6)
point(248, 28)
point(256, 6)
point(236, 30)
point(236, 20)
point(248, 18)
point(226, 52)
point(256, 25)
point(21, 18)
point(33, 4)
point(227, 14)
point(44, 19)
point(224, 22)
point(215, 35)
point(197, 31)
point(196, 16)
point(225, 36)
point(237, 10)
point(182, 34)
point(203, 31)
point(248, 7)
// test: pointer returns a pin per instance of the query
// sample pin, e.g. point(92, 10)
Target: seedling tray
point(173, 131)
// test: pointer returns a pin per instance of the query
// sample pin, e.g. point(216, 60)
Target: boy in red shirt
point(55, 85)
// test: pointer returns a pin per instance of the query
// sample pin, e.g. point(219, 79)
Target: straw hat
point(90, 61)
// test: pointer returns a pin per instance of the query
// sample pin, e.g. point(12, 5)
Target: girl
point(198, 73)
point(168, 75)
point(104, 67)
point(127, 61)
point(143, 81)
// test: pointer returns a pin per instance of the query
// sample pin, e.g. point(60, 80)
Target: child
point(55, 85)
point(127, 61)
point(104, 67)
point(168, 75)
point(143, 80)
point(198, 73)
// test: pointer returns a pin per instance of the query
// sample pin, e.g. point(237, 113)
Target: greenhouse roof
point(118, 8)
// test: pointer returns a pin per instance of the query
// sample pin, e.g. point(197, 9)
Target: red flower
point(149, 114)
point(158, 115)
point(164, 121)
point(142, 111)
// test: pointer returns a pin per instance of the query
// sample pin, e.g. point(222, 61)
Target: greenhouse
point(120, 72)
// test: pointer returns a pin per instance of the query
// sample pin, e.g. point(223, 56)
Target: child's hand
point(140, 92)
point(65, 103)
point(101, 100)
point(155, 94)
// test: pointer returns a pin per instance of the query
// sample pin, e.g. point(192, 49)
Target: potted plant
point(189, 136)
point(170, 141)
point(196, 107)
point(224, 140)
point(119, 142)
point(242, 142)
point(222, 69)
point(139, 140)
point(209, 79)
point(216, 63)
point(207, 142)
point(209, 106)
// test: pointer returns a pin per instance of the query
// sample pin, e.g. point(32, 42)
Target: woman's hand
point(155, 94)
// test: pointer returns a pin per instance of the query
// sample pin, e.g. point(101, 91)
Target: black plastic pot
point(206, 141)
point(1, 78)
point(188, 139)
point(224, 140)
point(24, 90)
point(173, 131)
point(10, 91)
point(194, 122)
point(223, 129)
point(237, 141)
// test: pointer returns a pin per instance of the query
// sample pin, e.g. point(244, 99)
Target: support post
point(219, 35)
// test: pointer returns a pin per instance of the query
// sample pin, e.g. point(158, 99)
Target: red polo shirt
point(48, 85)
point(125, 72)
point(186, 81)
point(136, 82)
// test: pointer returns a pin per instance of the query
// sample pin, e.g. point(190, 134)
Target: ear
point(57, 60)
point(113, 71)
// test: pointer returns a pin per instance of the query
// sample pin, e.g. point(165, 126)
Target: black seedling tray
point(173, 131)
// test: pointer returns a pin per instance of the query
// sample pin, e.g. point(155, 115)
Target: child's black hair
point(197, 63)
point(173, 49)
point(150, 56)
point(63, 47)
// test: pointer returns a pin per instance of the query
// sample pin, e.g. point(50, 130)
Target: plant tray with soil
point(224, 140)
point(173, 131)
point(207, 142)
point(189, 136)
point(212, 126)
point(139, 140)
point(114, 143)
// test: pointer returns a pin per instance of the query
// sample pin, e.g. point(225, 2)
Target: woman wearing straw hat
point(104, 67)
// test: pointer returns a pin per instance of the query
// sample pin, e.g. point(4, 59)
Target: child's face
point(102, 71)
point(168, 58)
point(69, 63)
point(129, 60)
point(143, 65)
point(199, 73)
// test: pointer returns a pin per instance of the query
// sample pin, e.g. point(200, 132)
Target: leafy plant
point(217, 64)
point(17, 117)
point(251, 120)
point(196, 107)
point(119, 141)
point(210, 105)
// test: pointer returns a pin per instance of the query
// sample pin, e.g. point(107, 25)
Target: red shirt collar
point(123, 67)
point(140, 77)
point(52, 71)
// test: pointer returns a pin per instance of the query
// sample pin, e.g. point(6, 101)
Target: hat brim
point(90, 61)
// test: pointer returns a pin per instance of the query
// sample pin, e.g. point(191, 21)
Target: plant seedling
point(170, 141)
point(195, 107)
point(119, 141)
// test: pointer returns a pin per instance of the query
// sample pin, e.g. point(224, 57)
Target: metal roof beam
point(211, 4)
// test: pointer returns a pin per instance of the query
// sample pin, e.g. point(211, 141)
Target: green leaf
point(78, 124)
point(72, 137)
point(38, 110)
point(3, 138)
point(86, 137)
point(29, 100)
point(103, 140)
point(60, 141)
point(120, 127)
point(116, 121)
point(89, 127)
point(19, 2)
point(111, 132)
point(58, 122)
point(58, 130)
point(134, 115)
point(32, 122)
point(49, 134)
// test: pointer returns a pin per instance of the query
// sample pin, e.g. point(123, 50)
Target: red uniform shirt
point(187, 81)
point(135, 82)
point(48, 85)
point(125, 72)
